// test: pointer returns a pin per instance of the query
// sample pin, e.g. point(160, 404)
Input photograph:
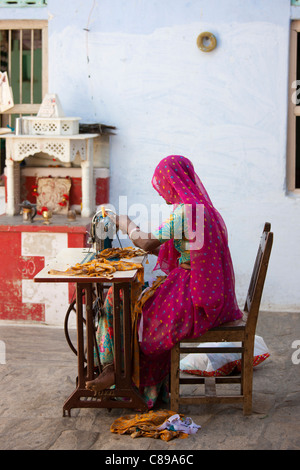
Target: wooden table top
point(70, 256)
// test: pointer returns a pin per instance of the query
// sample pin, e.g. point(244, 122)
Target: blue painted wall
point(138, 68)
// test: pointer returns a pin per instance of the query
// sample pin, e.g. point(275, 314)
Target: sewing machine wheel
point(98, 300)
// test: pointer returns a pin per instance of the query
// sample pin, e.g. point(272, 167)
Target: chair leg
point(247, 375)
point(174, 378)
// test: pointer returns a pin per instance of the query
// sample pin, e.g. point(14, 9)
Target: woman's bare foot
point(105, 380)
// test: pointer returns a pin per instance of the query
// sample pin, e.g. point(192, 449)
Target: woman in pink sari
point(198, 291)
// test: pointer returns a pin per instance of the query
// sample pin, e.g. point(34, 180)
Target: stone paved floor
point(40, 373)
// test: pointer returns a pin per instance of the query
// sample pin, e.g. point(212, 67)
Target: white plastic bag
point(209, 363)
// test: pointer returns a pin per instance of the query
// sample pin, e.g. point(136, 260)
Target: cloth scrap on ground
point(161, 424)
point(178, 423)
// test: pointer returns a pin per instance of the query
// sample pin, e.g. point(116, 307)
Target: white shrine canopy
point(51, 107)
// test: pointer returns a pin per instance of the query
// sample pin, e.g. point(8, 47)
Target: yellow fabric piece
point(146, 425)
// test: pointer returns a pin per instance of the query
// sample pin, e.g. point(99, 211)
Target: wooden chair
point(241, 331)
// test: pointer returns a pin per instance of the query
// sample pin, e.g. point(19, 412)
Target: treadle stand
point(124, 394)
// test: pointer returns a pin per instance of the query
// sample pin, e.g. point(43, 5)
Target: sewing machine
point(103, 229)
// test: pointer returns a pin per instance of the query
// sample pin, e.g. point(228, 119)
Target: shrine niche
point(53, 134)
point(53, 194)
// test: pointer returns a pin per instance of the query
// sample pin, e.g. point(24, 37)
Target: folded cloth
point(149, 425)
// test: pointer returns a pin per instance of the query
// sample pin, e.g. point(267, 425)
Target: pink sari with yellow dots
point(188, 302)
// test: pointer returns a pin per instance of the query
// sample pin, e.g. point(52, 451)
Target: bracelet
point(136, 229)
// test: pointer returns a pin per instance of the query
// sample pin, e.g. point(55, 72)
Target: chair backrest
point(258, 277)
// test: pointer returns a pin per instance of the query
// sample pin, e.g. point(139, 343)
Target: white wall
point(225, 110)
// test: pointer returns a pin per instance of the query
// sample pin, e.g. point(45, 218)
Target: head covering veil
point(212, 276)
